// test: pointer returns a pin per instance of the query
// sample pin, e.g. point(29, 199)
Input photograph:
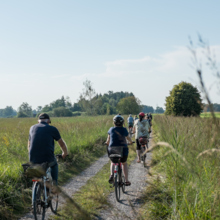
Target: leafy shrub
point(62, 112)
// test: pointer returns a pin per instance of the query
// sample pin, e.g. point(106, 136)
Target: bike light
point(35, 180)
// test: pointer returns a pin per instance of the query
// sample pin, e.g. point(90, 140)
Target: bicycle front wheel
point(54, 199)
point(117, 186)
point(38, 202)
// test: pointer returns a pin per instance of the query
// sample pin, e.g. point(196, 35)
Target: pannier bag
point(115, 153)
point(35, 170)
point(143, 140)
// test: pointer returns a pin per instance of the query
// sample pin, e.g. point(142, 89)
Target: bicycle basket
point(35, 170)
point(115, 153)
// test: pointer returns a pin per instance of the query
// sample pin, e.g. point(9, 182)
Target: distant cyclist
point(135, 117)
point(117, 136)
point(150, 116)
point(141, 129)
point(41, 144)
point(130, 121)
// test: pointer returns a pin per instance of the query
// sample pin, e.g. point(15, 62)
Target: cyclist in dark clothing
point(117, 136)
point(41, 144)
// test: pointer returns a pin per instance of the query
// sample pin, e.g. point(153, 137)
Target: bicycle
point(43, 190)
point(119, 180)
point(130, 129)
point(144, 143)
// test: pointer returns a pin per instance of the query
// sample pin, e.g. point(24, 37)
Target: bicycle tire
point(123, 183)
point(117, 186)
point(38, 202)
point(54, 201)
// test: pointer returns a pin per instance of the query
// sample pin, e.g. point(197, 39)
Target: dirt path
point(75, 184)
point(130, 202)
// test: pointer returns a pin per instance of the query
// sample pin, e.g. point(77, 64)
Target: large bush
point(128, 105)
point(62, 112)
point(184, 100)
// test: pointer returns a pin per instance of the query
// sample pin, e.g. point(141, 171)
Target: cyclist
point(147, 117)
point(150, 116)
point(41, 144)
point(117, 136)
point(141, 129)
point(130, 121)
point(135, 117)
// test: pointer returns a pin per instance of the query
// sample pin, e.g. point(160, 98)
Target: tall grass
point(82, 135)
point(186, 181)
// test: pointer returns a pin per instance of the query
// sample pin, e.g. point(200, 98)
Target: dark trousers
point(54, 173)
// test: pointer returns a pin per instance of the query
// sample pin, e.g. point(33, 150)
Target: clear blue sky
point(48, 48)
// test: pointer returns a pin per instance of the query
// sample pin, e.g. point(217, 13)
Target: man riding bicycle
point(41, 144)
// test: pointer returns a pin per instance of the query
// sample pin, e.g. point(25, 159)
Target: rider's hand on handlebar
point(64, 155)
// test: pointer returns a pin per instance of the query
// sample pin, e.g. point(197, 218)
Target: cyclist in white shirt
point(141, 129)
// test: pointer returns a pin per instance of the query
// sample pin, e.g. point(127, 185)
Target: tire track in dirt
point(130, 202)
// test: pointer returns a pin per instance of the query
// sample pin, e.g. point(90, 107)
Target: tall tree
point(25, 109)
point(184, 100)
point(128, 105)
point(87, 99)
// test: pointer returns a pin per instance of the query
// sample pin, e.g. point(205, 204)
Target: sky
point(49, 48)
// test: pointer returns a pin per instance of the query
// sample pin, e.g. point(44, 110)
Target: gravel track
point(75, 184)
point(130, 202)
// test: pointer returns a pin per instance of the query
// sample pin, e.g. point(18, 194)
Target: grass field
point(83, 136)
point(208, 114)
point(186, 175)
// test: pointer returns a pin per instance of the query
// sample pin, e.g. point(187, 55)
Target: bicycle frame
point(43, 181)
point(116, 165)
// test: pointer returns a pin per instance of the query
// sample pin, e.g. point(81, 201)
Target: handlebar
point(59, 156)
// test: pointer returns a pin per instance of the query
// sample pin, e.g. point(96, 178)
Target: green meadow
point(185, 174)
point(208, 114)
point(83, 135)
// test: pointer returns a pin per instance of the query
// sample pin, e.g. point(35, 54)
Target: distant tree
point(68, 103)
point(8, 111)
point(159, 110)
point(46, 108)
point(216, 107)
point(128, 105)
point(39, 109)
point(76, 107)
point(147, 109)
point(62, 112)
point(184, 100)
point(25, 109)
point(58, 103)
point(87, 99)
point(22, 115)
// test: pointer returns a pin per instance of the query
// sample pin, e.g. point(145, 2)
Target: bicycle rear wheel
point(38, 202)
point(123, 183)
point(117, 186)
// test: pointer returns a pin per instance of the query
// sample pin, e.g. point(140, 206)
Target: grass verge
point(83, 136)
point(185, 175)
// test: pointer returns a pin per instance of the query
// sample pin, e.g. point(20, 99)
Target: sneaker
point(111, 179)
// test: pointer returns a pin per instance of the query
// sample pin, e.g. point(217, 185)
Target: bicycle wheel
point(53, 200)
point(123, 183)
point(117, 186)
point(38, 202)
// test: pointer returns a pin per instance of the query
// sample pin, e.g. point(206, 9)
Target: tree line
point(89, 103)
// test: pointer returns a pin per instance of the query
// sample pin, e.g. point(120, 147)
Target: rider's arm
point(129, 139)
point(108, 140)
point(28, 147)
point(63, 147)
